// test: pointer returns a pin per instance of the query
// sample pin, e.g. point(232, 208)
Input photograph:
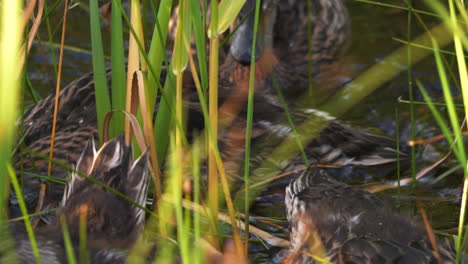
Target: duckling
point(349, 225)
point(113, 223)
point(76, 123)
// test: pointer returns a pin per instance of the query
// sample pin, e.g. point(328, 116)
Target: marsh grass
point(456, 19)
point(180, 230)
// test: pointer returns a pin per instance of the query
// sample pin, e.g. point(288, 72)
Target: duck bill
point(241, 42)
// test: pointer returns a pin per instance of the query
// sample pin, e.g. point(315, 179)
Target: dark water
point(374, 29)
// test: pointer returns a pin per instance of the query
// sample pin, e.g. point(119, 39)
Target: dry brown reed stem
point(132, 65)
point(431, 140)
point(435, 165)
point(54, 121)
point(267, 237)
point(27, 14)
point(148, 133)
point(37, 22)
point(430, 234)
point(382, 187)
point(135, 128)
point(437, 138)
point(138, 97)
point(265, 222)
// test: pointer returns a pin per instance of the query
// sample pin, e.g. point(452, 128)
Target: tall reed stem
point(213, 112)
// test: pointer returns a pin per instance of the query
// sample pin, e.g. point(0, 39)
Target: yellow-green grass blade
point(402, 7)
point(184, 32)
point(451, 20)
point(460, 41)
point(227, 12)
point(460, 152)
point(175, 192)
point(10, 41)
point(212, 122)
point(458, 37)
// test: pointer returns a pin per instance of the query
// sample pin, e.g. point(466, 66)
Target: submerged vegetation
point(209, 110)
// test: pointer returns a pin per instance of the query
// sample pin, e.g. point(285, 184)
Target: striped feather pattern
point(353, 226)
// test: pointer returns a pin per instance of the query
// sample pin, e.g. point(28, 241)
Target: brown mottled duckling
point(350, 225)
point(113, 223)
point(76, 123)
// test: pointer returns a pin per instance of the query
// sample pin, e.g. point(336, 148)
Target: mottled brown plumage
point(113, 223)
point(349, 225)
point(288, 55)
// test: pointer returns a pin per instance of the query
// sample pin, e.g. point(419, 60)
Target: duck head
point(241, 45)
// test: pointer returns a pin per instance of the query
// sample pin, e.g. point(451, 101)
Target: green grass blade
point(24, 212)
point(445, 129)
point(164, 116)
point(197, 253)
point(248, 130)
point(291, 122)
point(100, 77)
point(157, 46)
point(118, 69)
point(409, 74)
point(67, 241)
point(200, 41)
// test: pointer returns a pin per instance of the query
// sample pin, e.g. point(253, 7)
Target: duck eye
point(268, 4)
